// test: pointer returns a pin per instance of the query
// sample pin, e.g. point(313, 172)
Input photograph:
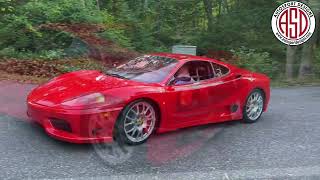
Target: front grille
point(60, 124)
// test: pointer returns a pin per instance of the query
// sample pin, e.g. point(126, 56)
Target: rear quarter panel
point(262, 82)
point(249, 82)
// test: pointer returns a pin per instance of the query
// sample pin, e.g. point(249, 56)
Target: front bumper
point(85, 126)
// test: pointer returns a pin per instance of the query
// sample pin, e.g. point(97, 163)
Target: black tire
point(119, 131)
point(246, 116)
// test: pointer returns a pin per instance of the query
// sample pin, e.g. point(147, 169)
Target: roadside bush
point(21, 33)
point(256, 61)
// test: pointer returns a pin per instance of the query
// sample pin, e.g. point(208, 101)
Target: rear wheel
point(254, 106)
point(136, 123)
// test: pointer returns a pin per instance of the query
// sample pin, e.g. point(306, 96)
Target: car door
point(187, 103)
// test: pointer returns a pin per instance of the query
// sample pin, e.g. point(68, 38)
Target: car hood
point(75, 84)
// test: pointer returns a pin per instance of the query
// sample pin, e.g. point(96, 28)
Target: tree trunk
point(208, 6)
point(318, 33)
point(159, 18)
point(145, 4)
point(238, 3)
point(98, 4)
point(307, 55)
point(220, 7)
point(225, 6)
point(291, 54)
point(306, 60)
point(318, 29)
point(114, 8)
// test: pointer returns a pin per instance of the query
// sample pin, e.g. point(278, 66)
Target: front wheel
point(136, 123)
point(254, 106)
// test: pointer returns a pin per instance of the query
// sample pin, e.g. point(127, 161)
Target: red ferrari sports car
point(152, 93)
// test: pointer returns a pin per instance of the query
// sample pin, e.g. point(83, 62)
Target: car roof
point(187, 57)
point(183, 58)
point(180, 56)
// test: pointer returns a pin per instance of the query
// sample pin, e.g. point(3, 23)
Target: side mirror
point(182, 80)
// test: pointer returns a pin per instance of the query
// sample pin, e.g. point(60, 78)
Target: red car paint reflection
point(13, 97)
point(210, 100)
point(178, 145)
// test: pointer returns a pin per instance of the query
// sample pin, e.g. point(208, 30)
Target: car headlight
point(86, 100)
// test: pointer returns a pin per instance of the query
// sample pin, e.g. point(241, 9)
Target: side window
point(219, 70)
point(195, 71)
point(202, 70)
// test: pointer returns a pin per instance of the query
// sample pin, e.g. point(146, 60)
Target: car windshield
point(147, 68)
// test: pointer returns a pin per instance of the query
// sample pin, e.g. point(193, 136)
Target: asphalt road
point(284, 144)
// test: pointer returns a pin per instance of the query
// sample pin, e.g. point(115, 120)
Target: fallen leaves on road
point(4, 76)
point(38, 71)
